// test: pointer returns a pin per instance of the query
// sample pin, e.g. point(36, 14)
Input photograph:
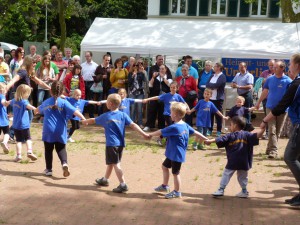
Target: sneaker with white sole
point(48, 172)
point(146, 129)
point(219, 193)
point(243, 194)
point(158, 141)
point(102, 182)
point(162, 188)
point(173, 194)
point(71, 140)
point(11, 140)
point(31, 156)
point(18, 158)
point(5, 147)
point(120, 189)
point(66, 171)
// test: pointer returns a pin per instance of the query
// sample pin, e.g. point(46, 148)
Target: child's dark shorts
point(172, 164)
point(113, 154)
point(22, 135)
point(5, 130)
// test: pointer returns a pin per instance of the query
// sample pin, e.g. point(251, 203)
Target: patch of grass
point(210, 161)
point(154, 150)
point(196, 178)
point(269, 171)
point(206, 155)
point(277, 174)
point(24, 161)
point(2, 221)
point(220, 175)
point(218, 159)
point(11, 152)
point(221, 168)
point(113, 206)
point(40, 154)
point(250, 181)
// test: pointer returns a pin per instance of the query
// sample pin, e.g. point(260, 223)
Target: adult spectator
point(192, 71)
point(243, 82)
point(76, 59)
point(13, 54)
point(60, 63)
point(217, 83)
point(102, 74)
point(274, 89)
point(186, 84)
point(88, 71)
point(53, 52)
point(204, 76)
point(118, 77)
point(52, 64)
point(68, 54)
point(7, 58)
point(155, 109)
point(17, 61)
point(130, 64)
point(74, 81)
point(291, 100)
point(265, 74)
point(1, 51)
point(4, 70)
point(32, 51)
point(136, 85)
point(67, 71)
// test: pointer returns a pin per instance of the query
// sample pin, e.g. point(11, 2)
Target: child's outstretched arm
point(200, 136)
point(155, 133)
point(150, 99)
point(189, 112)
point(88, 121)
point(79, 114)
point(5, 103)
point(220, 114)
point(260, 132)
point(209, 141)
point(94, 102)
point(30, 107)
point(135, 127)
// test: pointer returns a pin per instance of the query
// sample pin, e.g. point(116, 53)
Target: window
point(259, 8)
point(178, 6)
point(218, 7)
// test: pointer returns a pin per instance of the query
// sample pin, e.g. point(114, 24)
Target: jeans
point(42, 95)
point(189, 118)
point(89, 95)
point(99, 97)
point(242, 176)
point(292, 153)
point(136, 112)
point(202, 130)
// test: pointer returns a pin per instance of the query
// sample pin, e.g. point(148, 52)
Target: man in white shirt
point(88, 71)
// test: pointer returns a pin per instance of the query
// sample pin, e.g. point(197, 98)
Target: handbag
point(97, 87)
point(192, 95)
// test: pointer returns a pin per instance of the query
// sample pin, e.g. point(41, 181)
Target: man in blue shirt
point(274, 89)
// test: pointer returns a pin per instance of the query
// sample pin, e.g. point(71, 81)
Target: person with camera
point(188, 90)
point(217, 83)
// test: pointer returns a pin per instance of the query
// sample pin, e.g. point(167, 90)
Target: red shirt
point(189, 84)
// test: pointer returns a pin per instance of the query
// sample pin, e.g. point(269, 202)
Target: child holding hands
point(239, 150)
point(204, 110)
point(177, 142)
point(114, 123)
point(4, 122)
point(21, 122)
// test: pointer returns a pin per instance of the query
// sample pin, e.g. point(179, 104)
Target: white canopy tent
point(205, 38)
point(8, 46)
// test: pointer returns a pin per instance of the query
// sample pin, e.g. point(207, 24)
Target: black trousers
point(155, 110)
point(60, 150)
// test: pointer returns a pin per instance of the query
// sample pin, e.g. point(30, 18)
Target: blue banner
point(254, 66)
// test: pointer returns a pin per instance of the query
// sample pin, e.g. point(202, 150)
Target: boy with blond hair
point(114, 123)
point(177, 135)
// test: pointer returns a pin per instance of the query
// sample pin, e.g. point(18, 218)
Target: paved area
point(29, 197)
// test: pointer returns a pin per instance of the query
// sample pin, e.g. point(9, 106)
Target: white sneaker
point(11, 118)
point(71, 140)
point(66, 171)
point(159, 142)
point(243, 194)
point(146, 129)
point(48, 172)
point(219, 192)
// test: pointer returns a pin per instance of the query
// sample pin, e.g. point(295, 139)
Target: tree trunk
point(62, 22)
point(288, 15)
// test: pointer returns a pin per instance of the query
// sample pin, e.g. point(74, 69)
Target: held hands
point(208, 142)
point(84, 122)
point(145, 100)
point(226, 117)
point(188, 112)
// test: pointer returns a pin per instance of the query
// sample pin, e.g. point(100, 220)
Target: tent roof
point(8, 46)
point(205, 38)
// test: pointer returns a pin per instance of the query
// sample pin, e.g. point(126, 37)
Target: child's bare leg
point(177, 182)
point(19, 149)
point(166, 175)
point(5, 138)
point(108, 171)
point(29, 146)
point(119, 172)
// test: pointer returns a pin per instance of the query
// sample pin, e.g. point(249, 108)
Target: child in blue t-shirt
point(240, 110)
point(114, 123)
point(177, 142)
point(57, 112)
point(167, 99)
point(204, 110)
point(79, 104)
point(21, 121)
point(4, 122)
point(239, 150)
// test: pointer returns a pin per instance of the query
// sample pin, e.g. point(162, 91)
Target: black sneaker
point(291, 200)
point(102, 182)
point(120, 189)
point(295, 201)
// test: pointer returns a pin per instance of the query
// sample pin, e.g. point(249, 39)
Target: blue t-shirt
point(167, 98)
point(277, 88)
point(55, 120)
point(192, 71)
point(21, 117)
point(125, 105)
point(239, 149)
point(204, 110)
point(177, 140)
point(114, 123)
point(204, 78)
point(238, 111)
point(78, 104)
point(3, 113)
